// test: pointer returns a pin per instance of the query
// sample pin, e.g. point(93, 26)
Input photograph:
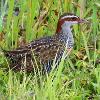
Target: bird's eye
point(73, 18)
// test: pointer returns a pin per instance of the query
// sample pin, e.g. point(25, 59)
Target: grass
point(77, 77)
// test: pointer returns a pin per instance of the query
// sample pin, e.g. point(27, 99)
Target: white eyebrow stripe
point(69, 16)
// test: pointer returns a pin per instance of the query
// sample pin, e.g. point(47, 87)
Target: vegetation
point(78, 76)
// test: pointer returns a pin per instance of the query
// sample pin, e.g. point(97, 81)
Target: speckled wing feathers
point(44, 49)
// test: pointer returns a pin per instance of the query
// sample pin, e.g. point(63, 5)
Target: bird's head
point(68, 19)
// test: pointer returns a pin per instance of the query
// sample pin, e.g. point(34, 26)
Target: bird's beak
point(82, 21)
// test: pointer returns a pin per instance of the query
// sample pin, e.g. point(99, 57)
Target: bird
point(45, 50)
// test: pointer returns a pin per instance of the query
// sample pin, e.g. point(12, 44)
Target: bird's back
point(39, 52)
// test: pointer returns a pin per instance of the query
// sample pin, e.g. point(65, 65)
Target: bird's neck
point(63, 27)
point(66, 35)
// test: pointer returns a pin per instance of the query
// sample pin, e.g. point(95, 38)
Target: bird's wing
point(46, 48)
